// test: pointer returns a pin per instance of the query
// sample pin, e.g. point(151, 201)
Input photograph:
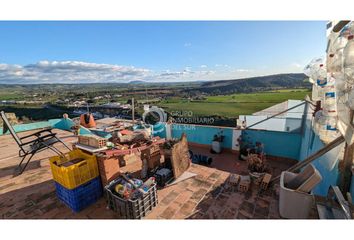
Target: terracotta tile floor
point(206, 196)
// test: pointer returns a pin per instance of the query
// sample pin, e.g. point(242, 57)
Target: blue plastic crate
point(82, 196)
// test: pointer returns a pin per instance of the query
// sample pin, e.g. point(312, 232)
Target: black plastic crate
point(163, 177)
point(127, 208)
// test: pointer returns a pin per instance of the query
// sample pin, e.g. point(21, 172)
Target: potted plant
point(217, 142)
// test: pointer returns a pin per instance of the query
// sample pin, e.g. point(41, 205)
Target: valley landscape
point(223, 100)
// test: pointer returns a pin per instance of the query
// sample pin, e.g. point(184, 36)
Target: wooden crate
point(92, 140)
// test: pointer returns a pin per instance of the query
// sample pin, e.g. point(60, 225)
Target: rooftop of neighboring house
point(281, 107)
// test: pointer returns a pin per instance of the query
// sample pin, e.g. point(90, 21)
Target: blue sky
point(155, 51)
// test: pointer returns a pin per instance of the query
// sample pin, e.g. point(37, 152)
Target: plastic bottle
point(320, 93)
point(137, 182)
point(335, 54)
point(347, 30)
point(307, 70)
point(148, 183)
point(316, 124)
point(348, 54)
point(336, 61)
point(339, 82)
point(330, 101)
point(341, 88)
point(316, 70)
point(331, 129)
point(321, 75)
point(331, 123)
point(322, 125)
point(326, 128)
point(351, 99)
point(315, 96)
point(330, 51)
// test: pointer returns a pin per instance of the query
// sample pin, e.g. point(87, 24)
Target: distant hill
point(254, 84)
point(137, 82)
point(158, 89)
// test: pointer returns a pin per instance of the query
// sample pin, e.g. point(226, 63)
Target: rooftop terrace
point(207, 195)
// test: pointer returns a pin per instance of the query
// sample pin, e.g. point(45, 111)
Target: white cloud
point(185, 75)
point(187, 44)
point(187, 69)
point(297, 65)
point(86, 72)
point(222, 65)
point(242, 70)
point(69, 72)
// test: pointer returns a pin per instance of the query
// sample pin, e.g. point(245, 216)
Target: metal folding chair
point(36, 142)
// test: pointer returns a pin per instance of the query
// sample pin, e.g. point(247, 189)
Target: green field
point(225, 106)
point(262, 97)
point(6, 95)
point(233, 105)
point(220, 109)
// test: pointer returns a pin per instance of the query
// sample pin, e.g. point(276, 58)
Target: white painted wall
point(235, 135)
point(273, 124)
point(296, 112)
point(290, 122)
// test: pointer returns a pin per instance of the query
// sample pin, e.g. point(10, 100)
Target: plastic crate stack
point(130, 208)
point(76, 179)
